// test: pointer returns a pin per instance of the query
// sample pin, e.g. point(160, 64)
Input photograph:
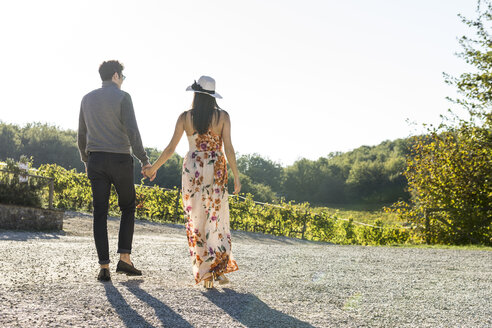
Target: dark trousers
point(104, 169)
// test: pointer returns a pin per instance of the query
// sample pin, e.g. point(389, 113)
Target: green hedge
point(72, 191)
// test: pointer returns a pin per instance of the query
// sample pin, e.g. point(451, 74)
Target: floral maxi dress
point(206, 206)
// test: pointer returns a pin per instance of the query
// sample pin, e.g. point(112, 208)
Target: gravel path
point(49, 280)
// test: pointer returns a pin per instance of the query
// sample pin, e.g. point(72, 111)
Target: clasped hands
point(149, 172)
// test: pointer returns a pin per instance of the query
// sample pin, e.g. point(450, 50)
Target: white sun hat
point(205, 85)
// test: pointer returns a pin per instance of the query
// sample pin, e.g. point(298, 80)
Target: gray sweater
point(107, 124)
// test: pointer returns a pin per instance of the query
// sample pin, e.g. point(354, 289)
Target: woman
point(204, 182)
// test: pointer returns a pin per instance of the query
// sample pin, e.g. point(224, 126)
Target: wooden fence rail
point(50, 184)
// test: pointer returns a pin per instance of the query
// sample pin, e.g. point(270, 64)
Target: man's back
point(107, 123)
point(101, 110)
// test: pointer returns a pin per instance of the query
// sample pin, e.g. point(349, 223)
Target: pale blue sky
point(299, 78)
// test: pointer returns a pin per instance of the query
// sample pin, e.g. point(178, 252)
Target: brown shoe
point(130, 270)
point(104, 275)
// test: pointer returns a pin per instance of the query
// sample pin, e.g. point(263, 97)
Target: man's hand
point(148, 172)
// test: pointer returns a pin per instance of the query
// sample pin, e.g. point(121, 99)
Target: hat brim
point(215, 94)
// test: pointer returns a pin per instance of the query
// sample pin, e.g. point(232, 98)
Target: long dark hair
point(202, 111)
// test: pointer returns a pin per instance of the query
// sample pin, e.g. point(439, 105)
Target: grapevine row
point(72, 191)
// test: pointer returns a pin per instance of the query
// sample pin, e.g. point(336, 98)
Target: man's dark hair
point(108, 68)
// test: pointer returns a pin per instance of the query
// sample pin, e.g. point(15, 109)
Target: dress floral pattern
point(206, 206)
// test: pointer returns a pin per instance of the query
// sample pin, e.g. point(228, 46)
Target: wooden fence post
point(52, 190)
point(176, 207)
point(427, 227)
point(304, 226)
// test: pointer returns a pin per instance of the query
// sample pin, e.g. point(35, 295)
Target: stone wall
point(29, 218)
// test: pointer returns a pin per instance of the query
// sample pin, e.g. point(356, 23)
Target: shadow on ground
point(251, 311)
point(246, 308)
point(131, 318)
point(18, 235)
point(272, 239)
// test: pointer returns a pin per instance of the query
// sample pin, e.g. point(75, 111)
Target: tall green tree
point(302, 180)
point(43, 142)
point(449, 172)
point(262, 170)
point(475, 87)
point(9, 141)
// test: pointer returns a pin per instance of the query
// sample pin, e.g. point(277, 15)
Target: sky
point(300, 79)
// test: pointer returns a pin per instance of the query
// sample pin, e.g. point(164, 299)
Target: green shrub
point(14, 191)
point(72, 191)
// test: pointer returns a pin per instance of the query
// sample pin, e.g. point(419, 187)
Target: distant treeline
point(366, 175)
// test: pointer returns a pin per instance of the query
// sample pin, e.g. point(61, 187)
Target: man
point(107, 134)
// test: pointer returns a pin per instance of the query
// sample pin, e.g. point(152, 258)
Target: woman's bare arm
point(229, 151)
point(169, 150)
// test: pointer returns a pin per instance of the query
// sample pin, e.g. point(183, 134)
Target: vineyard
point(72, 191)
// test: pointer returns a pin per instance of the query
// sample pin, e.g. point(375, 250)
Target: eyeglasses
point(123, 77)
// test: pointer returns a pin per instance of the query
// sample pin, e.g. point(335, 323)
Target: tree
point(9, 141)
point(261, 170)
point(259, 191)
point(449, 172)
point(49, 144)
point(475, 87)
point(366, 179)
point(332, 187)
point(44, 143)
point(302, 180)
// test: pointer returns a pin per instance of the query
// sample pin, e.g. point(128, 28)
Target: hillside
point(366, 176)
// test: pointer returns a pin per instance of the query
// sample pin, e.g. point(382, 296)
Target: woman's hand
point(237, 185)
point(149, 172)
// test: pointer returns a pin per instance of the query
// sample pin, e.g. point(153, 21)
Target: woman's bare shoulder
point(223, 112)
point(185, 116)
point(185, 113)
point(185, 119)
point(223, 117)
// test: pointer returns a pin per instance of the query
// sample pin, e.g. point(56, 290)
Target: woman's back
point(216, 124)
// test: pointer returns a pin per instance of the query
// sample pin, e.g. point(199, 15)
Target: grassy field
point(369, 214)
point(362, 213)
point(453, 247)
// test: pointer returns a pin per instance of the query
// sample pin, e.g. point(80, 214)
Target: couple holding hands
point(108, 135)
